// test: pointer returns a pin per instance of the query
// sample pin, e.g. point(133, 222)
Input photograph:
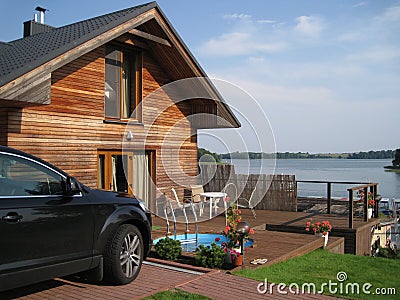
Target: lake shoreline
point(353, 170)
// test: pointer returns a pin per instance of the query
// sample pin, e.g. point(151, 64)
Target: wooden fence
point(270, 192)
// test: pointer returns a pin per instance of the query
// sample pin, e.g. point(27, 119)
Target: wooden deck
point(274, 245)
point(280, 235)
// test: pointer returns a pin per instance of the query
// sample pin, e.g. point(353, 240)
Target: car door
point(39, 225)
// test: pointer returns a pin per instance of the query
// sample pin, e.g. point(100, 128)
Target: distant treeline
point(382, 154)
point(210, 157)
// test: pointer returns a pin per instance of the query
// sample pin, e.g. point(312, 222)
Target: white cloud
point(266, 21)
point(309, 26)
point(256, 59)
point(238, 43)
point(376, 54)
point(350, 37)
point(237, 17)
point(359, 4)
point(391, 15)
point(283, 95)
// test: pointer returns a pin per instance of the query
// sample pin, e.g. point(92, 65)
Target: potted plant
point(371, 204)
point(232, 244)
point(320, 229)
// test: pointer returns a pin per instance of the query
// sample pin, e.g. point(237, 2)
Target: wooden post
point(366, 204)
point(328, 198)
point(351, 208)
point(376, 205)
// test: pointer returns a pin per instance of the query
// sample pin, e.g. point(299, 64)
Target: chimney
point(41, 10)
point(33, 27)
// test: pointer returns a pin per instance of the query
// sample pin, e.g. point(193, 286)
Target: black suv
point(51, 225)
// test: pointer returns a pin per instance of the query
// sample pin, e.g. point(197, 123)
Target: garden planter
point(370, 213)
point(326, 237)
point(228, 258)
point(238, 261)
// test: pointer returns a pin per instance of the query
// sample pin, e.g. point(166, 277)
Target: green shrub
point(210, 257)
point(168, 248)
point(389, 253)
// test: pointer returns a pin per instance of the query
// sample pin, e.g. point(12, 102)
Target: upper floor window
point(123, 88)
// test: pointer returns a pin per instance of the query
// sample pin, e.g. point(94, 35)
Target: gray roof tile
point(20, 56)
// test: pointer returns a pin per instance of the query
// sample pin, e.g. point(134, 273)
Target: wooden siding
point(3, 126)
point(364, 239)
point(69, 131)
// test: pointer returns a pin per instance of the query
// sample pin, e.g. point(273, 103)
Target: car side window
point(23, 177)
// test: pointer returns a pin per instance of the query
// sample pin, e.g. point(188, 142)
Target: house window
point(123, 88)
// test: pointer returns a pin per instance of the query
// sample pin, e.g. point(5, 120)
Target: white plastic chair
point(181, 205)
point(196, 198)
point(248, 203)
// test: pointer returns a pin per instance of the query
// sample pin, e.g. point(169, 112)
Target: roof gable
point(27, 53)
point(26, 64)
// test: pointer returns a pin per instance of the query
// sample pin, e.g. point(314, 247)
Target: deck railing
point(373, 188)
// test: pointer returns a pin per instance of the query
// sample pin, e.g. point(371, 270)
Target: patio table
point(214, 199)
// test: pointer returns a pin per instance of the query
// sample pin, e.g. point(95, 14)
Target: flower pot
point(238, 261)
point(326, 237)
point(228, 258)
point(370, 213)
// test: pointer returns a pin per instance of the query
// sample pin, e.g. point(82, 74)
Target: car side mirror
point(70, 186)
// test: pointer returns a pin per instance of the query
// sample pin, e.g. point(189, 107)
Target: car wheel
point(123, 255)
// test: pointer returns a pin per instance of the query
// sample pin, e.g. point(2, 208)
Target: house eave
point(33, 83)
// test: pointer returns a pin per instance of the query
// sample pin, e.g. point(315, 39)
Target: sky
point(326, 74)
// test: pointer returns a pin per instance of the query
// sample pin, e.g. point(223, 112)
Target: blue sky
point(326, 73)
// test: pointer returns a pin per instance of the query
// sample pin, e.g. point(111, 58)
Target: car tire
point(123, 255)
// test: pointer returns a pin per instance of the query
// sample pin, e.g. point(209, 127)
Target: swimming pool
point(202, 239)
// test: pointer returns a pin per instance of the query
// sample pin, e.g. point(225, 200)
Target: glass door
point(138, 166)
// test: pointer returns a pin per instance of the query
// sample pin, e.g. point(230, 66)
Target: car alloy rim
point(130, 254)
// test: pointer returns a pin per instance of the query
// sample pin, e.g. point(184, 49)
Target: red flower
point(251, 231)
point(319, 227)
point(217, 239)
point(227, 199)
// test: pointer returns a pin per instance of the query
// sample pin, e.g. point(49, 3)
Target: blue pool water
point(203, 239)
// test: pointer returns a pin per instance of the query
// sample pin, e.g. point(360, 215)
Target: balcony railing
point(365, 187)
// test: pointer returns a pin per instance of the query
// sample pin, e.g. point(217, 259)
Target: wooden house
point(68, 94)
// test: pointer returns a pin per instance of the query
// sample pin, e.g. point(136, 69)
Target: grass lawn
point(321, 267)
point(175, 295)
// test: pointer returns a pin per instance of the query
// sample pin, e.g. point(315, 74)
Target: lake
point(357, 170)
